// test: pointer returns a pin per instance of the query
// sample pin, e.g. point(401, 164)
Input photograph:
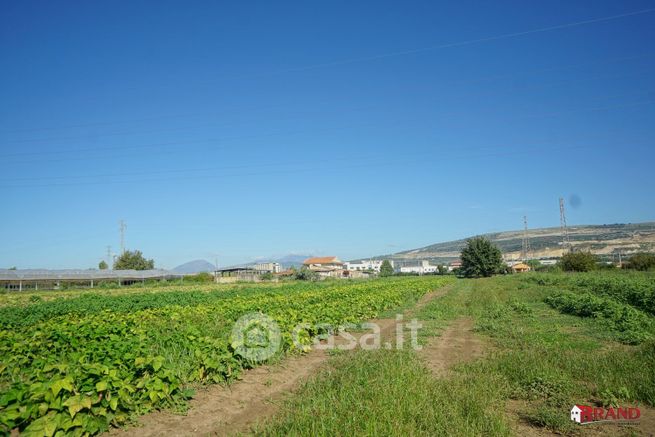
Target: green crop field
point(80, 362)
point(543, 355)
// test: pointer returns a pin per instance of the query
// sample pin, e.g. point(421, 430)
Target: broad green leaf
point(157, 363)
point(62, 384)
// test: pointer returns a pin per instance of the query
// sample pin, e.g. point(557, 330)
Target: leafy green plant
point(82, 365)
point(578, 262)
point(631, 325)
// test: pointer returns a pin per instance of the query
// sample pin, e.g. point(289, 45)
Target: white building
point(364, 265)
point(421, 267)
point(268, 267)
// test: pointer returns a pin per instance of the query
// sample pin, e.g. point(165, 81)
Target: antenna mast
point(566, 243)
point(122, 230)
point(526, 240)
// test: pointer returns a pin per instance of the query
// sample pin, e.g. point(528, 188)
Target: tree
point(102, 265)
point(578, 262)
point(481, 257)
point(305, 274)
point(386, 269)
point(442, 269)
point(533, 263)
point(133, 261)
point(641, 261)
point(266, 276)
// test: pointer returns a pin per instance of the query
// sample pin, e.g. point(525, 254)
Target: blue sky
point(245, 130)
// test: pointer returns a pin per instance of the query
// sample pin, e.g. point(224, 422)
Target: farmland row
point(89, 365)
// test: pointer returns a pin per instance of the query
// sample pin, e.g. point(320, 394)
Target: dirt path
point(227, 410)
point(456, 344)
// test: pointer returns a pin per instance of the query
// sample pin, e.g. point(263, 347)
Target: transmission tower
point(526, 240)
point(122, 230)
point(109, 256)
point(566, 243)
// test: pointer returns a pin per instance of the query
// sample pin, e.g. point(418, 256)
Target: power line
point(363, 162)
point(370, 58)
point(468, 42)
point(331, 129)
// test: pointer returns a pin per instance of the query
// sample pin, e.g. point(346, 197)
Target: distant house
point(521, 267)
point(268, 267)
point(236, 273)
point(457, 264)
point(286, 273)
point(325, 266)
point(364, 265)
point(420, 267)
point(323, 261)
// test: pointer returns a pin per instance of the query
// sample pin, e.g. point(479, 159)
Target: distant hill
point(286, 261)
point(604, 240)
point(196, 266)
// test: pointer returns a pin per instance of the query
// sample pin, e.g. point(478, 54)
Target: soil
point(456, 344)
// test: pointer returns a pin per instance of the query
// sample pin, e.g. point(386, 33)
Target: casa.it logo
point(584, 414)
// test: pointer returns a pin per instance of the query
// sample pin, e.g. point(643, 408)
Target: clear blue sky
point(252, 129)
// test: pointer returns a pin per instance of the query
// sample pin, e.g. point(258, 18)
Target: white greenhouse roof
point(72, 274)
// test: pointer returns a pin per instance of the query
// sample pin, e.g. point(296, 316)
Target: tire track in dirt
point(457, 343)
point(227, 410)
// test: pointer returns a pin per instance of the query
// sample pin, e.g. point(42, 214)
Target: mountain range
point(606, 241)
point(201, 265)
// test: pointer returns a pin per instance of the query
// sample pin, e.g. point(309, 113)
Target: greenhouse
point(41, 279)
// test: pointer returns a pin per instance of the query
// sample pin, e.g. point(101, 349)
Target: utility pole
point(526, 240)
point(620, 261)
point(566, 243)
point(122, 230)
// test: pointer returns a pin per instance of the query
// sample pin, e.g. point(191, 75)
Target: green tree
point(133, 260)
point(12, 268)
point(578, 262)
point(102, 265)
point(481, 257)
point(386, 269)
point(267, 276)
point(641, 261)
point(533, 263)
point(442, 269)
point(305, 274)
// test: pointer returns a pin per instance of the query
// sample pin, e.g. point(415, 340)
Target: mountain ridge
point(606, 240)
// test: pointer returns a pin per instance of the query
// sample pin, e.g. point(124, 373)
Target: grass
point(543, 359)
point(387, 393)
